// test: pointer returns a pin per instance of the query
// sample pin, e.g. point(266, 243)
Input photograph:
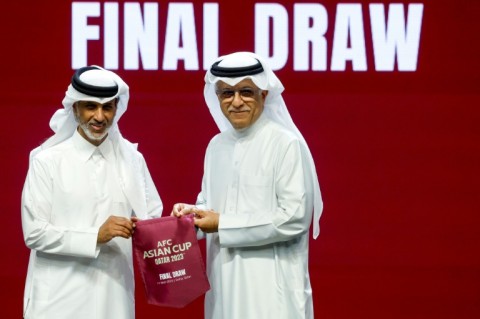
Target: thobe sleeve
point(201, 203)
point(39, 232)
point(289, 219)
point(154, 203)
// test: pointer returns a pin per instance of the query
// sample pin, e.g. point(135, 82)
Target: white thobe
point(70, 190)
point(257, 263)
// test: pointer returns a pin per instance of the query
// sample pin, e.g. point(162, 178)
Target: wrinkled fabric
point(63, 124)
point(66, 198)
point(169, 260)
point(257, 264)
point(274, 109)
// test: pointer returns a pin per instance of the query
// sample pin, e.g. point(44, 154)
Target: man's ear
point(264, 94)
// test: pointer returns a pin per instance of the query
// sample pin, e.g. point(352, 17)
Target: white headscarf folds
point(247, 65)
point(96, 84)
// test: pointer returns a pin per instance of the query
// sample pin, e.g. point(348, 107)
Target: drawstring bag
point(169, 260)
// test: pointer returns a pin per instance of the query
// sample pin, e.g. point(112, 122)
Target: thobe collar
point(251, 131)
point(87, 149)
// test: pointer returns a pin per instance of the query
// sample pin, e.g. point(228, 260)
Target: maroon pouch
point(169, 260)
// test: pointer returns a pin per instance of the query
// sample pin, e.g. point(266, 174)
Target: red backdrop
point(397, 153)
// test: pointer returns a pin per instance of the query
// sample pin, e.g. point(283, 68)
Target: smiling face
point(94, 119)
point(241, 104)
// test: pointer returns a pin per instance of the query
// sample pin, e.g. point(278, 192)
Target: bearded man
point(86, 187)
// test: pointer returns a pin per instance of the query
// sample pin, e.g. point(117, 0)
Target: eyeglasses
point(245, 93)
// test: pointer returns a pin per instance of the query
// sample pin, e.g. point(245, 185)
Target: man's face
point(241, 104)
point(95, 119)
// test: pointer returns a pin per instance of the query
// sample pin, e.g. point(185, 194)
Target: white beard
point(90, 135)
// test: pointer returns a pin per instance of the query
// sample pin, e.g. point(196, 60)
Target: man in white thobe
point(259, 194)
point(86, 187)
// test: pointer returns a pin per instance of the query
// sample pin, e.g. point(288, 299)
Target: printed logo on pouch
point(173, 276)
point(167, 252)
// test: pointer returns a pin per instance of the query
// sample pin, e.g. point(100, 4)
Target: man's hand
point(181, 209)
point(206, 220)
point(116, 226)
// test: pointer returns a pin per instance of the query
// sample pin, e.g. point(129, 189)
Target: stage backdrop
point(386, 94)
